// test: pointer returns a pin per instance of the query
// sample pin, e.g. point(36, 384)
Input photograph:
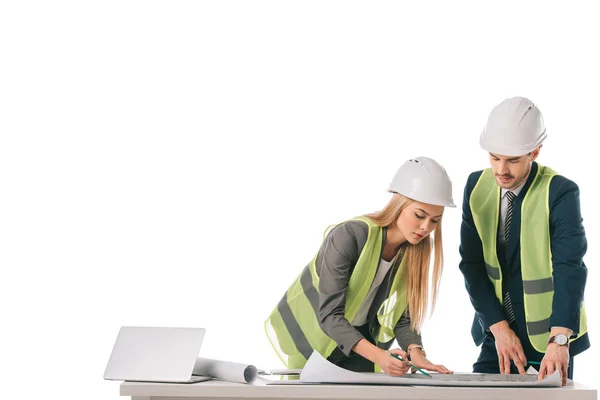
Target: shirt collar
point(515, 191)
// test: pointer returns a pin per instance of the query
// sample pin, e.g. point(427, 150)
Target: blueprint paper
point(286, 371)
point(532, 370)
point(319, 370)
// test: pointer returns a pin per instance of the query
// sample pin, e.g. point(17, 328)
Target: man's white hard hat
point(514, 127)
point(424, 180)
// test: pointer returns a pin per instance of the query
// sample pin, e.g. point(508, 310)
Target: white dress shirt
point(504, 207)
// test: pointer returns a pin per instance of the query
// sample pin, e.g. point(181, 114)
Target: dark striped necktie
point(509, 314)
point(506, 303)
point(510, 196)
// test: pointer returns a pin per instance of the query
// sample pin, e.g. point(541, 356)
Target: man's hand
point(556, 359)
point(508, 347)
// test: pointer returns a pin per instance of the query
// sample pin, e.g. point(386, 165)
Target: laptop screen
point(157, 354)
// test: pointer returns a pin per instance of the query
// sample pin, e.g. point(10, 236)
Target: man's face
point(511, 172)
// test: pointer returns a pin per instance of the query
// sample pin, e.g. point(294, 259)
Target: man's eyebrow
point(509, 159)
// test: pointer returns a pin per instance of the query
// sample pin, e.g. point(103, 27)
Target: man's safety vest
point(293, 327)
point(536, 255)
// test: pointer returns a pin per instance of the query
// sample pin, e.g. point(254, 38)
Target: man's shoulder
point(475, 174)
point(561, 182)
point(472, 179)
point(562, 189)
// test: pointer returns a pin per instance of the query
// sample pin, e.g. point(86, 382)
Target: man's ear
point(536, 153)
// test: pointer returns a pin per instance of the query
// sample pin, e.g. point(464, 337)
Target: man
point(522, 248)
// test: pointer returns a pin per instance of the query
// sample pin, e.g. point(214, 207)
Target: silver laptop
point(149, 354)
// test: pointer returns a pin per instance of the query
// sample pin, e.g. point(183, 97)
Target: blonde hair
point(417, 261)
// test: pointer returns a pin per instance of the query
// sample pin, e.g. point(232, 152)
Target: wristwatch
point(560, 339)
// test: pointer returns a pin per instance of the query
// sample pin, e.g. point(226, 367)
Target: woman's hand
point(418, 359)
point(390, 364)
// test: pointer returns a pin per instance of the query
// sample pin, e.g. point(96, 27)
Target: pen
point(411, 364)
point(534, 362)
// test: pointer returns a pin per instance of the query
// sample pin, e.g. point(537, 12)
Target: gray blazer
point(335, 263)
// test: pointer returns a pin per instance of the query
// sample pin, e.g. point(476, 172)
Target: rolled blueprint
point(225, 370)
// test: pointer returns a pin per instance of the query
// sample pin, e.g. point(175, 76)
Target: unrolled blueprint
point(319, 370)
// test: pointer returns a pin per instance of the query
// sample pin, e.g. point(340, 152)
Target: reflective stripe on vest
point(536, 256)
point(293, 327)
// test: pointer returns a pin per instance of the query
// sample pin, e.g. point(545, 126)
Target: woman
point(369, 282)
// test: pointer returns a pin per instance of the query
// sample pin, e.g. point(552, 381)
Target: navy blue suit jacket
point(568, 245)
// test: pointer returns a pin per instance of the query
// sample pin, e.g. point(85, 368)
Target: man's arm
point(568, 245)
point(472, 265)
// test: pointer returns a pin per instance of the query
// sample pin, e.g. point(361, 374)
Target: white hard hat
point(422, 179)
point(514, 127)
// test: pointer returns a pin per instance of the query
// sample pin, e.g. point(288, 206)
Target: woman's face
point(417, 221)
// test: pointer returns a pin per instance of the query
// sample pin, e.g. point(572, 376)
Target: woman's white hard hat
point(424, 180)
point(514, 127)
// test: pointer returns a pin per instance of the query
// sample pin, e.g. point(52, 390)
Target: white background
point(175, 163)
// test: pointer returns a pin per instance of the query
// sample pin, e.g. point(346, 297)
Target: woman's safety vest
point(293, 327)
point(536, 256)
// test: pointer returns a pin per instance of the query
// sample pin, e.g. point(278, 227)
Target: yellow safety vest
point(293, 327)
point(536, 255)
